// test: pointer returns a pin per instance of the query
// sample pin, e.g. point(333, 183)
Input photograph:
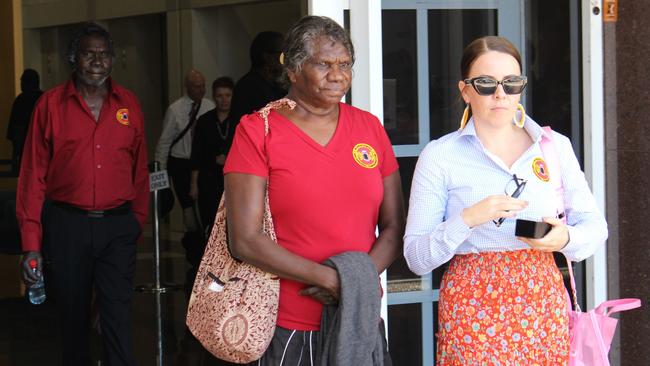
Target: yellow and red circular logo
point(541, 169)
point(122, 116)
point(365, 155)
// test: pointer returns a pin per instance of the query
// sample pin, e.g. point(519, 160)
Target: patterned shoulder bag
point(233, 307)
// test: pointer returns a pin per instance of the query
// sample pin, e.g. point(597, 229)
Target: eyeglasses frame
point(499, 82)
point(521, 184)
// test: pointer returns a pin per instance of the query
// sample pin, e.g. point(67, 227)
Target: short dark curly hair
point(88, 29)
point(223, 82)
point(299, 42)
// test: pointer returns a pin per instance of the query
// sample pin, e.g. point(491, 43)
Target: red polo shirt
point(70, 157)
point(325, 200)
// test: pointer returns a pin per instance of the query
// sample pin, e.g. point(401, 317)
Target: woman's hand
point(194, 191)
point(321, 295)
point(329, 293)
point(492, 208)
point(245, 209)
point(554, 241)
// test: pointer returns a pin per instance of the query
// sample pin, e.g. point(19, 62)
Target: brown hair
point(222, 82)
point(485, 44)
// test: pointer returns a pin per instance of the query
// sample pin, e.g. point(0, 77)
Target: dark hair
point(300, 39)
point(222, 82)
point(485, 44)
point(88, 29)
point(264, 42)
point(29, 80)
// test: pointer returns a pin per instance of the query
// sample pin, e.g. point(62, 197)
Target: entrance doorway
point(422, 45)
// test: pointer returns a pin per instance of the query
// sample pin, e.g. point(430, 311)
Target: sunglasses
point(486, 85)
point(512, 190)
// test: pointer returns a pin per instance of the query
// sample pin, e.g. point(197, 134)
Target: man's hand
point(29, 276)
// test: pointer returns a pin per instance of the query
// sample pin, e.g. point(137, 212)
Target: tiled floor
point(28, 335)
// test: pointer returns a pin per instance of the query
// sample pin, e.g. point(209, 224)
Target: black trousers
point(210, 191)
point(82, 253)
point(180, 171)
point(300, 348)
point(290, 348)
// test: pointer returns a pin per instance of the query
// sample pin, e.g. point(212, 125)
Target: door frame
point(514, 31)
point(365, 25)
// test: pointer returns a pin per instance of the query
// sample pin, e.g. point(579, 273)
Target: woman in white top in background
point(502, 299)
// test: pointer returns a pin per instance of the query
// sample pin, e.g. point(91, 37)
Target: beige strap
point(276, 104)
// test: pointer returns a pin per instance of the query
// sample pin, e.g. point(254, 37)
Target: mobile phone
point(531, 229)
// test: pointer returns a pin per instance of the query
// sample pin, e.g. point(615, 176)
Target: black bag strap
point(187, 128)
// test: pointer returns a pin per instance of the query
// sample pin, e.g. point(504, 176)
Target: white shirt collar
point(532, 128)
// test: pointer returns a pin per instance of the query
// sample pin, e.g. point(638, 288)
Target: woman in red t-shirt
point(332, 179)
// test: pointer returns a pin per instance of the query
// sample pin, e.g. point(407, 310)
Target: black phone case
point(531, 229)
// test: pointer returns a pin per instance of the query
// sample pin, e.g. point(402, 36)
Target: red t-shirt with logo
point(324, 200)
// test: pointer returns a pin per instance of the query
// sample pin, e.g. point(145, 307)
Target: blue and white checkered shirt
point(456, 171)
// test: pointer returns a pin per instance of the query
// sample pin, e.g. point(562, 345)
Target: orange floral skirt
point(503, 308)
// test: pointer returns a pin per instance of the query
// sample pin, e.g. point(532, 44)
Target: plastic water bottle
point(36, 291)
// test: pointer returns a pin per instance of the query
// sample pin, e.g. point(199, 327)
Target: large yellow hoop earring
point(521, 121)
point(463, 121)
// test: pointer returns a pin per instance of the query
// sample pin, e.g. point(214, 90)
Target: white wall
point(221, 36)
point(49, 13)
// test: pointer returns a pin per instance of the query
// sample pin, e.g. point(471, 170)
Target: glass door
point(422, 43)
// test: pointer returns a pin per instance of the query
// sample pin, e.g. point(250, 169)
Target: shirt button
point(99, 146)
point(99, 166)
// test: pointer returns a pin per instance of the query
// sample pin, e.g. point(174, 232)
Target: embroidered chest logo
point(122, 116)
point(365, 155)
point(541, 169)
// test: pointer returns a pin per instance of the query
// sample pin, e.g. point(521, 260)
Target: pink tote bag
point(590, 333)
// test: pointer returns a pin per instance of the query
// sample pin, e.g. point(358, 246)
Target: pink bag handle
point(617, 306)
point(549, 150)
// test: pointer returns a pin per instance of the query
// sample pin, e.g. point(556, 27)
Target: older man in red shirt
point(83, 197)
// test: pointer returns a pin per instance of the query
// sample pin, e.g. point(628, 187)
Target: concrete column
point(611, 173)
point(628, 163)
